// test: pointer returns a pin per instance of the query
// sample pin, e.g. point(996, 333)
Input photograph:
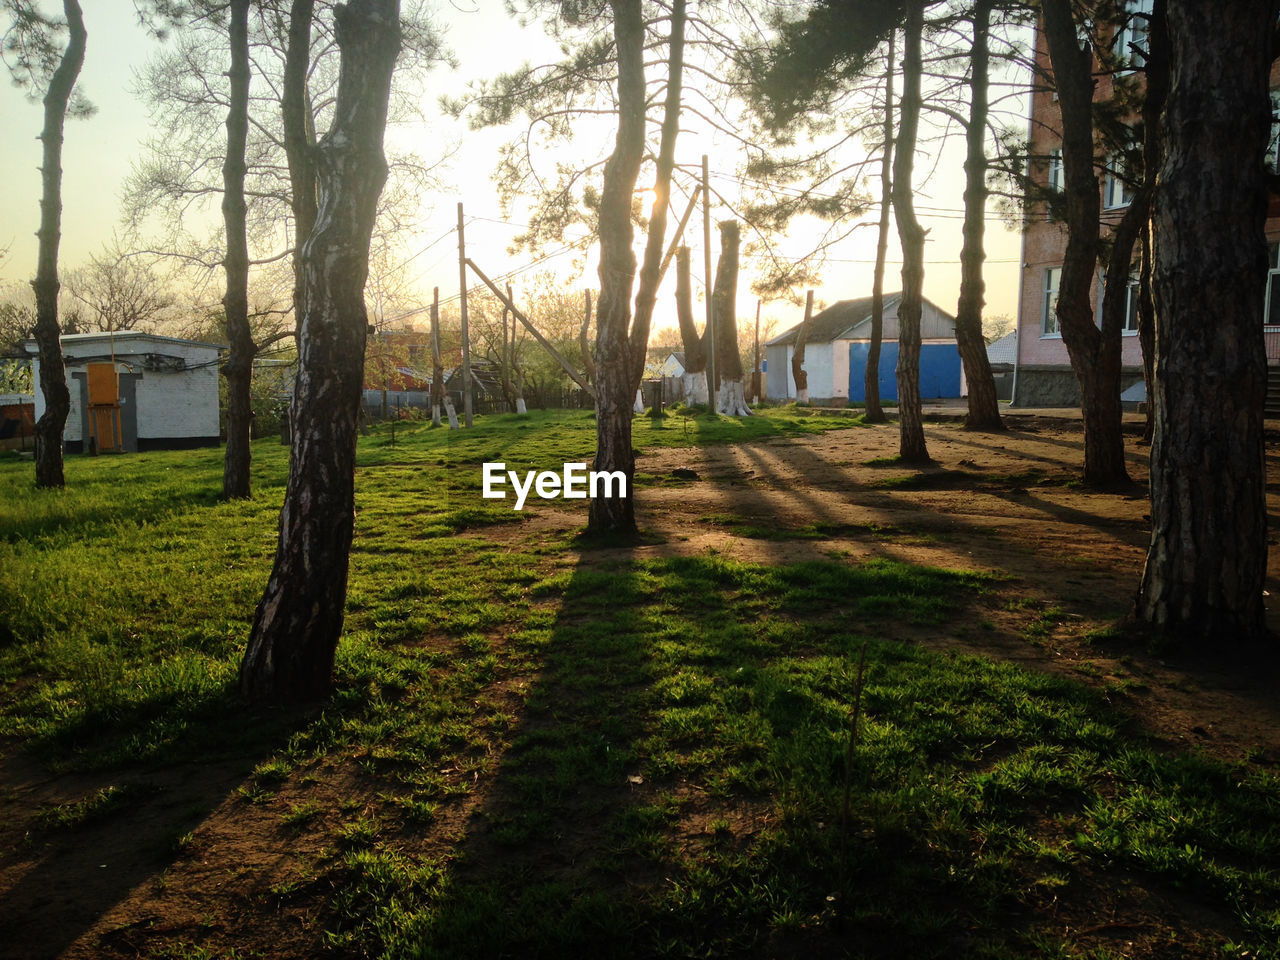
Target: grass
point(540, 751)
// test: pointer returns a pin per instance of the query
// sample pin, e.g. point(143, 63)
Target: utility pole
point(466, 337)
point(710, 333)
point(755, 368)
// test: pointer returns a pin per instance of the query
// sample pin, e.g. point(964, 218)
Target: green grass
point(651, 751)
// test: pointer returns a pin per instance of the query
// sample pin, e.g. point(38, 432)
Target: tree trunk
point(238, 369)
point(984, 407)
point(299, 137)
point(1206, 565)
point(584, 343)
point(53, 376)
point(655, 241)
point(615, 388)
point(911, 443)
point(299, 619)
point(724, 301)
point(1147, 333)
point(871, 376)
point(695, 353)
point(798, 372)
point(1095, 357)
point(1157, 93)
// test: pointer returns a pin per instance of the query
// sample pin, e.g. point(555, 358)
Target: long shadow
point(60, 877)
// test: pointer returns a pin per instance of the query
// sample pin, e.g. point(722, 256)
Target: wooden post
point(437, 362)
point(709, 331)
point(755, 367)
point(466, 337)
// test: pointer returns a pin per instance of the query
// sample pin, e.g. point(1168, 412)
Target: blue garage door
point(939, 370)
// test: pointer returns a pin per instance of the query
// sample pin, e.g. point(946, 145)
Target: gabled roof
point(841, 320)
point(829, 324)
point(1004, 350)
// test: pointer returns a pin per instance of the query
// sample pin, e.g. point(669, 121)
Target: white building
point(134, 391)
point(842, 331)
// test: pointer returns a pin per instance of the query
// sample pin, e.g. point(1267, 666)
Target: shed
point(134, 391)
point(836, 350)
point(17, 420)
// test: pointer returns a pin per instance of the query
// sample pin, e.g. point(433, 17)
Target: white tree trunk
point(802, 396)
point(520, 406)
point(732, 401)
point(695, 388)
point(639, 405)
point(453, 414)
point(435, 414)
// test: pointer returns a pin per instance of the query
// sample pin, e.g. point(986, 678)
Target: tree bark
point(53, 376)
point(238, 370)
point(1095, 356)
point(724, 301)
point(695, 353)
point(1147, 333)
point(911, 442)
point(615, 389)
point(299, 619)
point(798, 372)
point(984, 407)
point(1206, 564)
point(871, 375)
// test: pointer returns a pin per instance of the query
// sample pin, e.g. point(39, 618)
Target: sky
point(99, 153)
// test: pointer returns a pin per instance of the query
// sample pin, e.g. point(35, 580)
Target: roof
point(1004, 350)
point(71, 339)
point(827, 325)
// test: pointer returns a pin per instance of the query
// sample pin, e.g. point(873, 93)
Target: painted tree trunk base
point(638, 406)
point(435, 414)
point(451, 412)
point(521, 408)
point(732, 401)
point(695, 388)
point(802, 395)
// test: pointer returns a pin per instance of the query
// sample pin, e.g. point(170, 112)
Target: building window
point(1130, 42)
point(1132, 289)
point(1115, 192)
point(1271, 309)
point(1273, 144)
point(1056, 181)
point(1049, 303)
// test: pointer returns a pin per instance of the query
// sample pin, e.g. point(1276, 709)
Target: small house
point(17, 421)
point(133, 391)
point(836, 348)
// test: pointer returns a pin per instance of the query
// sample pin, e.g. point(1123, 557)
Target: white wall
point(171, 404)
point(818, 364)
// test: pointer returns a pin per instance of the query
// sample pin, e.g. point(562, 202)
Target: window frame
point(1048, 303)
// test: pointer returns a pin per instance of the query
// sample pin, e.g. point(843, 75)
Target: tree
point(1206, 565)
point(984, 408)
point(1094, 352)
point(693, 342)
point(798, 372)
point(724, 299)
point(238, 369)
point(299, 619)
point(114, 292)
point(911, 442)
point(30, 42)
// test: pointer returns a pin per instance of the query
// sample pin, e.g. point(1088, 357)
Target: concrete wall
point(1054, 386)
point(173, 407)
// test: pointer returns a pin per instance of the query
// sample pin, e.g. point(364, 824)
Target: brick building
point(1043, 370)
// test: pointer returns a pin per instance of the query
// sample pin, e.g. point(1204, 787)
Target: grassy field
point(541, 749)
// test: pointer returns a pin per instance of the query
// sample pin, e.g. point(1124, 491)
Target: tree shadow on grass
point(674, 784)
